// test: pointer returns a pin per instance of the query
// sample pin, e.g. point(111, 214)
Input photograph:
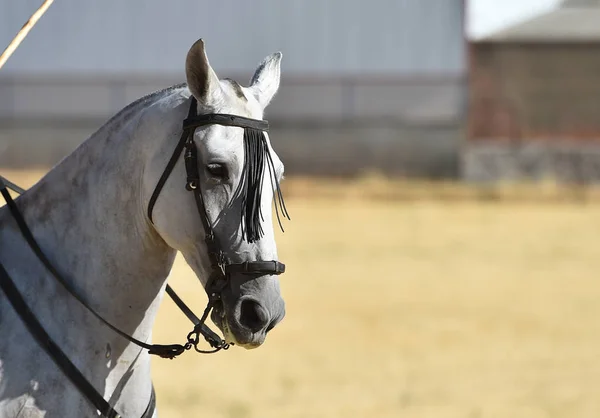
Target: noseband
point(221, 267)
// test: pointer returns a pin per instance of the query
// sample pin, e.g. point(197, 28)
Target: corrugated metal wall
point(365, 85)
point(317, 37)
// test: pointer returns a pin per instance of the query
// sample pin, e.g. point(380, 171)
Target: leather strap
point(51, 348)
point(168, 169)
point(256, 267)
point(4, 182)
point(58, 356)
point(193, 176)
point(149, 412)
point(37, 330)
point(209, 335)
point(167, 351)
point(193, 184)
point(195, 121)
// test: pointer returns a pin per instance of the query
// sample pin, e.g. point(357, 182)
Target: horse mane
point(127, 110)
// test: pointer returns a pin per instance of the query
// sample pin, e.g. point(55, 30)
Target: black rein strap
point(52, 349)
point(37, 330)
point(39, 333)
point(167, 351)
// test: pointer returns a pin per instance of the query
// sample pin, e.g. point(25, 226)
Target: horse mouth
point(219, 318)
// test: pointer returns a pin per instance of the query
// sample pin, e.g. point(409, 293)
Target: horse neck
point(88, 216)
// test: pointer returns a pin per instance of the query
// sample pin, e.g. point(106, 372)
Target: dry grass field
point(437, 302)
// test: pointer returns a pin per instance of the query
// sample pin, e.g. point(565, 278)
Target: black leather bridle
point(219, 278)
point(221, 267)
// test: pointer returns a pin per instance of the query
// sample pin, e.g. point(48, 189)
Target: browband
point(225, 119)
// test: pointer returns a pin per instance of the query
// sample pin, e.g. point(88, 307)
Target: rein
point(250, 189)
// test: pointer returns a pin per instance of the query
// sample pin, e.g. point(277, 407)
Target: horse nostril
point(252, 315)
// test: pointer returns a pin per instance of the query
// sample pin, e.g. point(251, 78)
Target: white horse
point(89, 216)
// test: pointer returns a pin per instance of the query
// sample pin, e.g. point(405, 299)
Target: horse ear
point(201, 78)
point(265, 82)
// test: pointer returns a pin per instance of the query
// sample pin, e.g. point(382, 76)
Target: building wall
point(328, 150)
point(300, 99)
point(534, 111)
point(403, 126)
point(384, 83)
point(317, 37)
point(532, 90)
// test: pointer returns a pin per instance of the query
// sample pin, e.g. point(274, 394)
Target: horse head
point(225, 228)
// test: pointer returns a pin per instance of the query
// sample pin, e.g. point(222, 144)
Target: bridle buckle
point(191, 185)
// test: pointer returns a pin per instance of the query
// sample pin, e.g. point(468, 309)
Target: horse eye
point(217, 170)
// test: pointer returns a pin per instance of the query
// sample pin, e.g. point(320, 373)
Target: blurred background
point(442, 163)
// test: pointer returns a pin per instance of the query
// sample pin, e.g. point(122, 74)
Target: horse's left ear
point(265, 82)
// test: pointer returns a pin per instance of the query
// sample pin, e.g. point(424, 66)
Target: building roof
point(574, 21)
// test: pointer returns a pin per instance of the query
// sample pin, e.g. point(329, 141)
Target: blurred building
point(377, 86)
point(535, 98)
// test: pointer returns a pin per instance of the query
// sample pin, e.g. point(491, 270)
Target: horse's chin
point(219, 318)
